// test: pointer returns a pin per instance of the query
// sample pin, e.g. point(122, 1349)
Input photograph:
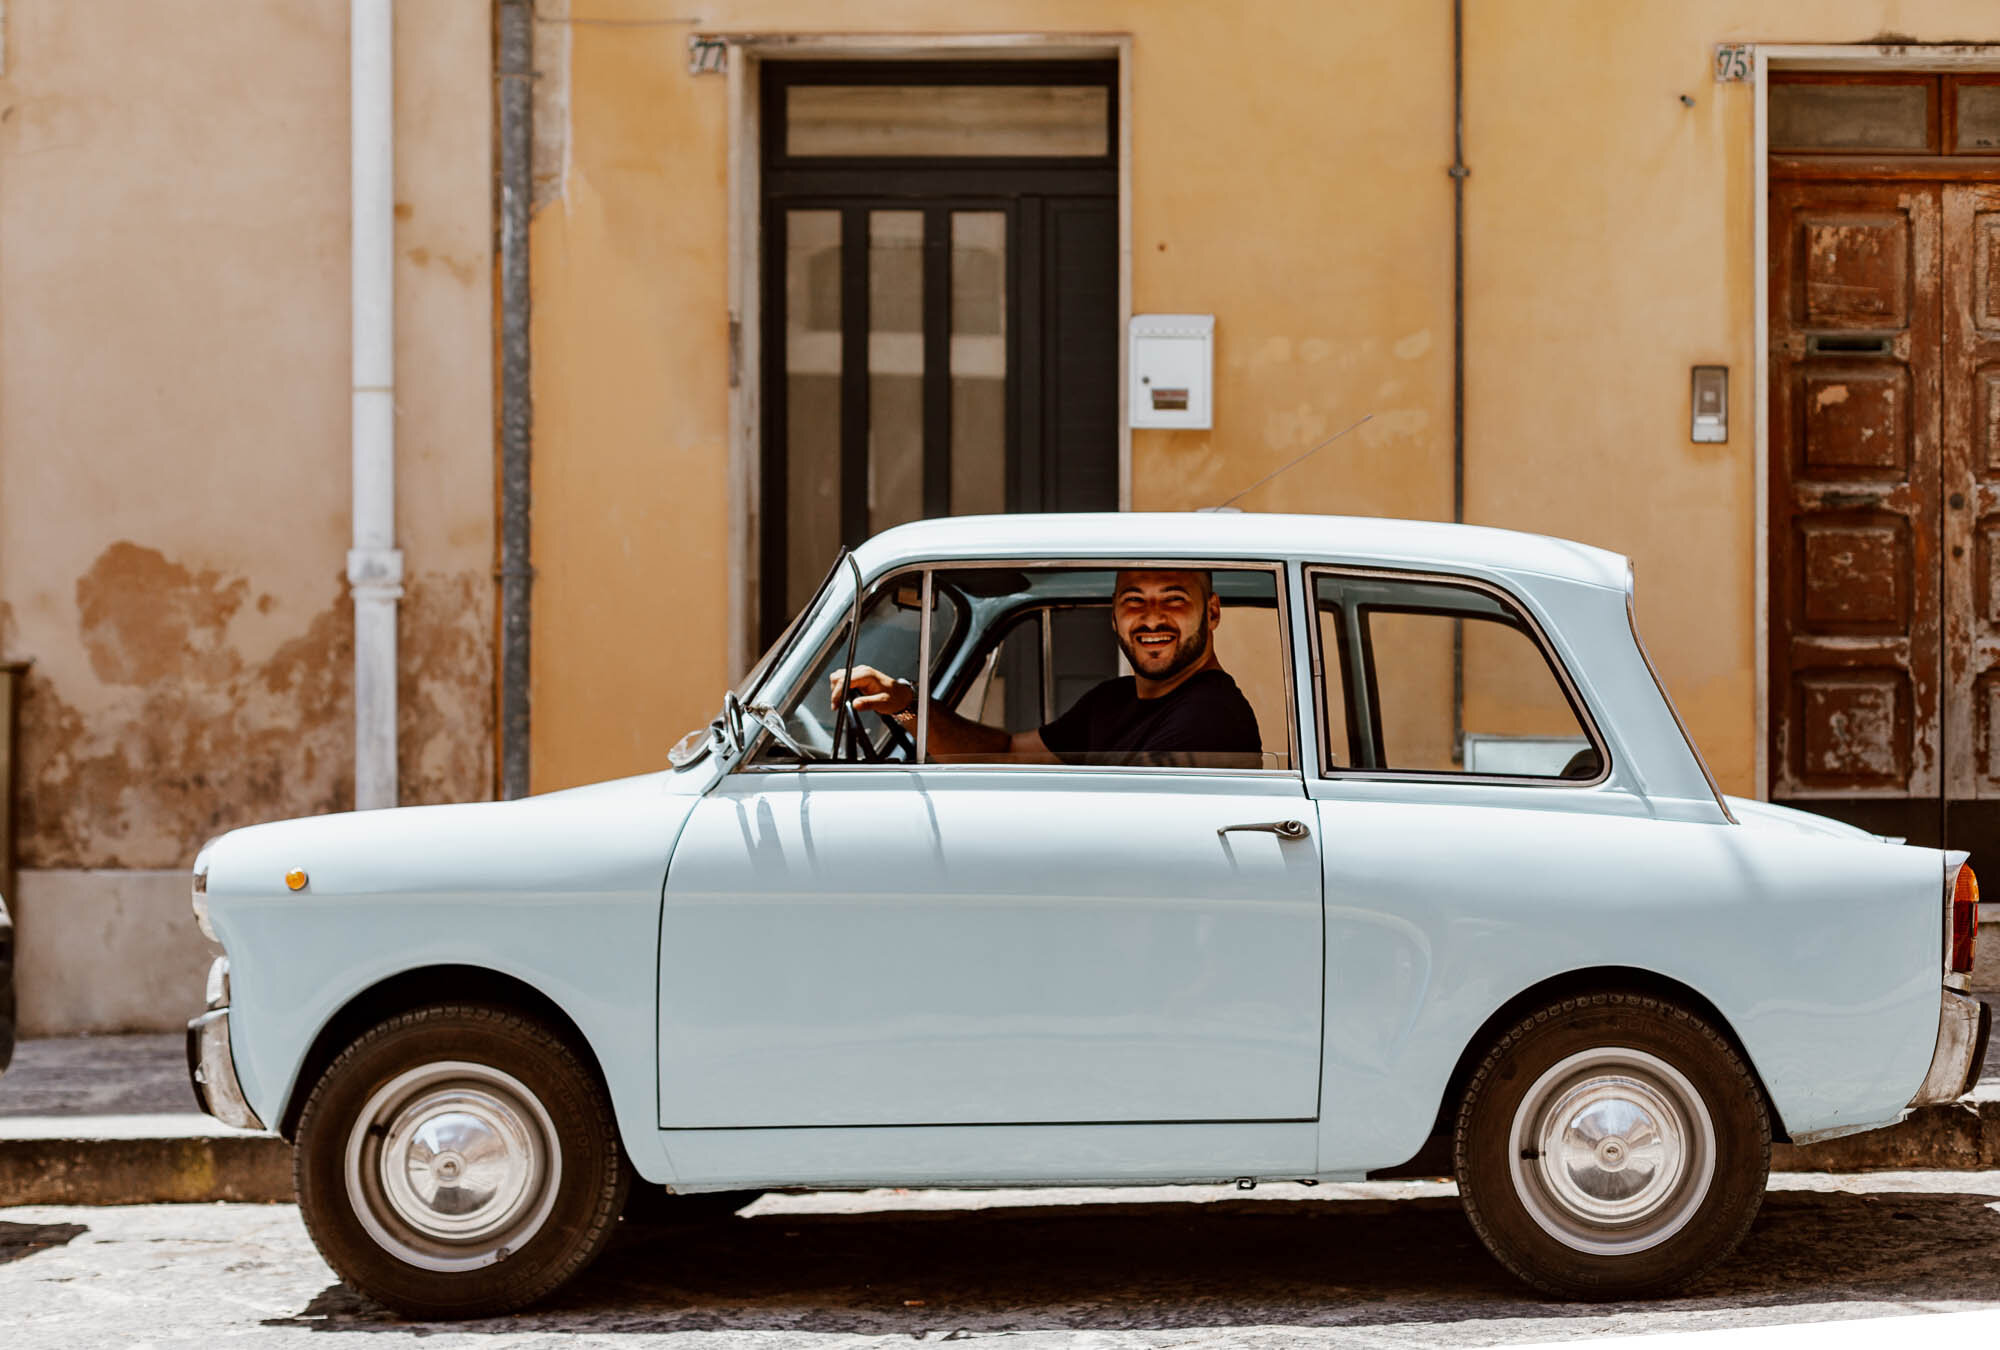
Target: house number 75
point(1732, 62)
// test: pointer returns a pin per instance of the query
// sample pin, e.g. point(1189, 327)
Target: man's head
point(1163, 620)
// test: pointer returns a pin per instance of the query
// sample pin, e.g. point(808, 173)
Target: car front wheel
point(1612, 1146)
point(459, 1161)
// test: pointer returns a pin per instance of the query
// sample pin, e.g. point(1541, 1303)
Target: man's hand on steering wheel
point(874, 692)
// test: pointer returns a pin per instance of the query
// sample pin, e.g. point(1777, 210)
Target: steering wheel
point(862, 747)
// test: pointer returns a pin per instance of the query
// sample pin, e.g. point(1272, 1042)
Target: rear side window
point(1426, 676)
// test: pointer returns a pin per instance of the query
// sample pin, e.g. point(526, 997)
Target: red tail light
point(1964, 918)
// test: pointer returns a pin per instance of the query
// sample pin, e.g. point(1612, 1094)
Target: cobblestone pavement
point(1389, 1264)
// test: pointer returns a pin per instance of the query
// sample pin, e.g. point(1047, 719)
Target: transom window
point(1885, 113)
point(1397, 700)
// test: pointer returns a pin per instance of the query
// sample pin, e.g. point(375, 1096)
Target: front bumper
point(212, 1069)
point(1964, 1027)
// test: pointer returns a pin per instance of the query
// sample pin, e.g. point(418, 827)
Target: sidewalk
point(111, 1120)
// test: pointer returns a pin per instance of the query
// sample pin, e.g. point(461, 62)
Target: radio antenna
point(1282, 467)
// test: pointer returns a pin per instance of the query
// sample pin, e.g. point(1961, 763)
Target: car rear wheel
point(1612, 1146)
point(459, 1161)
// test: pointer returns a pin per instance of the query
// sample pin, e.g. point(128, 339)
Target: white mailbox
point(1173, 370)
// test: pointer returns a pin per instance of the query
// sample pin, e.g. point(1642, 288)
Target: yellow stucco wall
point(1288, 175)
point(1610, 247)
point(174, 432)
point(1322, 251)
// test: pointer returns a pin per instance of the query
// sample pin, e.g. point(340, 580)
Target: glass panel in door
point(812, 400)
point(978, 362)
point(895, 368)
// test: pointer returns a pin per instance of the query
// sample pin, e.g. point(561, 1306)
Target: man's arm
point(951, 736)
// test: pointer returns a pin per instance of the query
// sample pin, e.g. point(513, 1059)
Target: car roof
point(1248, 535)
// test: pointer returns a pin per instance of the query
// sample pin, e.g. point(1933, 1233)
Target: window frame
point(1360, 697)
point(1277, 570)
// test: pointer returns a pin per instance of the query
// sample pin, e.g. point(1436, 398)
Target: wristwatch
point(908, 716)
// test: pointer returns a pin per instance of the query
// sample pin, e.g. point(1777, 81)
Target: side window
point(1386, 647)
point(1042, 650)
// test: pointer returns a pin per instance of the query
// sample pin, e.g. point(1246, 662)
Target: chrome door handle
point(1284, 829)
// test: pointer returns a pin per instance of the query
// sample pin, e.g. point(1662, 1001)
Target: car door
point(956, 944)
point(1460, 776)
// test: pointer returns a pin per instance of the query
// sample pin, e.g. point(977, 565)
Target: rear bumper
point(212, 1069)
point(1964, 1027)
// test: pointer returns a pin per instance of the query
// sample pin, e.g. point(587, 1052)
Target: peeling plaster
point(198, 737)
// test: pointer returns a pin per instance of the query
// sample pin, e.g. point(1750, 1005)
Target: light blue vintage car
point(1447, 889)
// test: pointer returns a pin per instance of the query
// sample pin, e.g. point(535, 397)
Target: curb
point(176, 1160)
point(1960, 1136)
point(139, 1161)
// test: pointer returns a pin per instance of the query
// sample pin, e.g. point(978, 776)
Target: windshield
point(695, 744)
point(748, 685)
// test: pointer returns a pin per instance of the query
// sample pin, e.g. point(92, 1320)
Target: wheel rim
point(1612, 1151)
point(453, 1165)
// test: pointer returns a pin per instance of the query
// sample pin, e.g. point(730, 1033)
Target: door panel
point(1856, 694)
point(1972, 490)
point(957, 947)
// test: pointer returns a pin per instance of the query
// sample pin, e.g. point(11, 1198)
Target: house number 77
point(707, 55)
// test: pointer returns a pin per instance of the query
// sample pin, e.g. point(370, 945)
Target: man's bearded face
point(1162, 621)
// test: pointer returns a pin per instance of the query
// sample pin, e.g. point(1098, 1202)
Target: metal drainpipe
point(1458, 176)
point(514, 91)
point(374, 564)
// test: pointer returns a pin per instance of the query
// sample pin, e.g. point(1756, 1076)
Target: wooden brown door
point(1857, 687)
point(1971, 485)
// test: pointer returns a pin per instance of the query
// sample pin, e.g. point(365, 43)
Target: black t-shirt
point(1204, 723)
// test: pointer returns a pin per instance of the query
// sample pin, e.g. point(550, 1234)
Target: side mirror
point(730, 724)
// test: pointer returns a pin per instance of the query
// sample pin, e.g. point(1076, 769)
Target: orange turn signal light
point(1964, 919)
point(296, 878)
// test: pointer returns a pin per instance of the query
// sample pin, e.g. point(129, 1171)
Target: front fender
point(561, 892)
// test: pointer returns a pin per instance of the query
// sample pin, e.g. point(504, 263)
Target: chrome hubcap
point(453, 1165)
point(1612, 1151)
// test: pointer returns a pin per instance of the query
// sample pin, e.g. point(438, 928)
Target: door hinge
point(735, 351)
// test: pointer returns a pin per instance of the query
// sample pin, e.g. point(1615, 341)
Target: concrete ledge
point(139, 1160)
point(143, 1160)
point(1963, 1136)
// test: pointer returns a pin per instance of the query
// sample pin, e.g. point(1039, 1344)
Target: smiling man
point(1178, 707)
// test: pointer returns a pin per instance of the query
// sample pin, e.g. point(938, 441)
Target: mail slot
point(1849, 344)
point(1172, 370)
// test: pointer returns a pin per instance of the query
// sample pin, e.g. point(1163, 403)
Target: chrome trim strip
point(212, 1070)
point(1584, 716)
point(1048, 663)
point(1960, 1018)
point(923, 681)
